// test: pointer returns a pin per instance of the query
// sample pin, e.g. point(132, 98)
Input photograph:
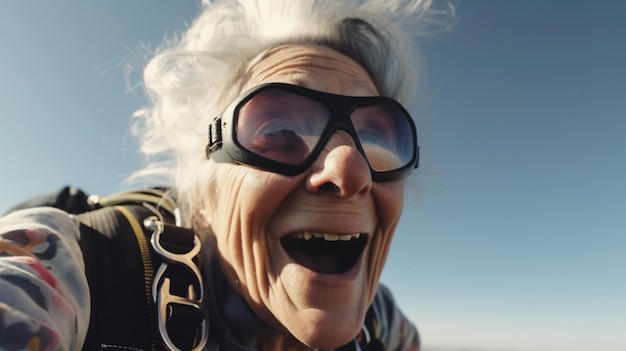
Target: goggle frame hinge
point(215, 137)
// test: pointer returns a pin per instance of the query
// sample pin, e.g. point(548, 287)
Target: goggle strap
point(417, 160)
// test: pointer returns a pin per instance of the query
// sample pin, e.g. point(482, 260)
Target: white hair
point(192, 79)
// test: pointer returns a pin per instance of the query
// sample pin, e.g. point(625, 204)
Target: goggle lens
point(287, 127)
point(281, 126)
point(385, 135)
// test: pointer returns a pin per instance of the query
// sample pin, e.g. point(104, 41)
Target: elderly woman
point(294, 194)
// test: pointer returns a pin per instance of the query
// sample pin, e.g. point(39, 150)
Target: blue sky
point(514, 235)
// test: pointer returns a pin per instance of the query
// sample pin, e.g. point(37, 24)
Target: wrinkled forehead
point(311, 66)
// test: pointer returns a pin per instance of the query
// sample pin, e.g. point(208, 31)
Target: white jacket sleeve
point(44, 296)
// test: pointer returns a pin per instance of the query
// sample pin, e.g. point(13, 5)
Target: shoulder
point(49, 235)
point(393, 329)
point(40, 218)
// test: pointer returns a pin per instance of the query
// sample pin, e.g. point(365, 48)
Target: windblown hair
point(191, 80)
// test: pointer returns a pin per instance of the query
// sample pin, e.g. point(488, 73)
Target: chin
point(322, 289)
point(328, 331)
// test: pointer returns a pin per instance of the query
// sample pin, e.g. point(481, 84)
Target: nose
point(340, 169)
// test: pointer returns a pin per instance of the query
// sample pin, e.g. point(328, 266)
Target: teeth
point(326, 236)
point(331, 237)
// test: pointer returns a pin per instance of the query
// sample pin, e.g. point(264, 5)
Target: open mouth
point(325, 253)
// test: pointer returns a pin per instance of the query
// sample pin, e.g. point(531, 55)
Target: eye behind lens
point(386, 135)
point(382, 159)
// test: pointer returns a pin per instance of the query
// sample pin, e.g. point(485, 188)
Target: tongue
point(324, 263)
point(325, 257)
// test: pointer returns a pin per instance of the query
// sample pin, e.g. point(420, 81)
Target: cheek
point(389, 199)
point(245, 200)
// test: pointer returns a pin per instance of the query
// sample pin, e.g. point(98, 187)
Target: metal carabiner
point(161, 286)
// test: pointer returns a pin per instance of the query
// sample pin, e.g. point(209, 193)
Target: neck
point(282, 342)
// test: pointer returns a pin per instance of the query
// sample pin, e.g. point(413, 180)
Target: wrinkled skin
point(256, 208)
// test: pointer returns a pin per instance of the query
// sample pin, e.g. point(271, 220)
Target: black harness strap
point(133, 259)
point(121, 316)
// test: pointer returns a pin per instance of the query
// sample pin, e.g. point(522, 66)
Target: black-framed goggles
point(282, 128)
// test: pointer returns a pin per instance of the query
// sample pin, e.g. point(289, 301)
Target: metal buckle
point(167, 302)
